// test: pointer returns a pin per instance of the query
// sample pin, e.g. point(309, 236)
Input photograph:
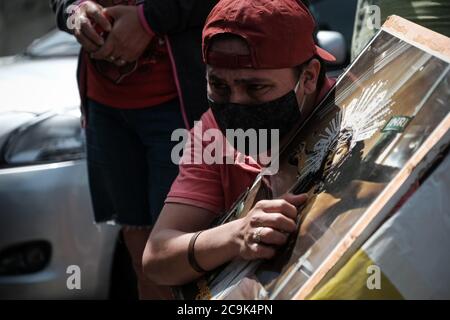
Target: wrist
point(191, 254)
point(235, 236)
point(221, 240)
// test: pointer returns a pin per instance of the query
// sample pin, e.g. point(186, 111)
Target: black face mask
point(282, 114)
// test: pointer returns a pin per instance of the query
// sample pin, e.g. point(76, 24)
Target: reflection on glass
point(379, 114)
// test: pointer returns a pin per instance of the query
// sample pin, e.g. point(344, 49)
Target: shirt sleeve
point(61, 9)
point(198, 184)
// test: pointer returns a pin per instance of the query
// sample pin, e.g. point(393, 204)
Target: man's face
point(248, 86)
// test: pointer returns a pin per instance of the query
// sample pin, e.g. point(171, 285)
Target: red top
point(150, 85)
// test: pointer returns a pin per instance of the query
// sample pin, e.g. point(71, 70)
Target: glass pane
point(379, 114)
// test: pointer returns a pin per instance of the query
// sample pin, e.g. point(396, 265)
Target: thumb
point(295, 199)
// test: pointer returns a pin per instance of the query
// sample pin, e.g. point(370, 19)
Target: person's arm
point(60, 8)
point(78, 20)
point(165, 257)
point(135, 26)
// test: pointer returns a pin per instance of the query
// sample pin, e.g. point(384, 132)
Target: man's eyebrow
point(243, 80)
point(215, 78)
point(253, 80)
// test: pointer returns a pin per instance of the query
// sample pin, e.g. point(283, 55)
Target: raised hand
point(87, 16)
point(267, 226)
point(127, 39)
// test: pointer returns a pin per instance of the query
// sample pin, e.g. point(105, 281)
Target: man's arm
point(80, 19)
point(163, 16)
point(60, 8)
point(134, 27)
point(165, 258)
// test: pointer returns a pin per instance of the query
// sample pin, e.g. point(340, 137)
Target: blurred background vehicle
point(335, 20)
point(46, 220)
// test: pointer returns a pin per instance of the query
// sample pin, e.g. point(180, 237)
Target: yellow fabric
point(350, 283)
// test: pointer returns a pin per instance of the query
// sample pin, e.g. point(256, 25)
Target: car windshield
point(54, 44)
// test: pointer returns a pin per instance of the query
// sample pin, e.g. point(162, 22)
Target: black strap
point(191, 254)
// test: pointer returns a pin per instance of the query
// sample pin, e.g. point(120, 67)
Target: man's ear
point(310, 76)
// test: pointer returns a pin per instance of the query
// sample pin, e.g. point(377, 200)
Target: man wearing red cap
point(264, 71)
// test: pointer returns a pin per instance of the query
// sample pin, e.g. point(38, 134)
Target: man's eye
point(256, 87)
point(219, 86)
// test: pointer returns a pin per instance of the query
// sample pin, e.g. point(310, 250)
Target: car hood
point(30, 87)
point(37, 85)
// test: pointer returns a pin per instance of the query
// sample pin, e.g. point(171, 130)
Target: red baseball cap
point(279, 34)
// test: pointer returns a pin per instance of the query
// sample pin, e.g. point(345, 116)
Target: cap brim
point(325, 55)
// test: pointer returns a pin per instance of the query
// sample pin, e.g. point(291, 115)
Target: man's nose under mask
point(281, 114)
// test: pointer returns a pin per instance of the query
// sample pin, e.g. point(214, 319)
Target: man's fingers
point(89, 32)
point(274, 220)
point(273, 236)
point(106, 51)
point(295, 199)
point(87, 44)
point(101, 18)
point(260, 251)
point(95, 13)
point(279, 205)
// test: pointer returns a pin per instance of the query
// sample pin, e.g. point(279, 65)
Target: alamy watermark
point(212, 147)
point(73, 21)
point(373, 14)
point(73, 281)
point(374, 279)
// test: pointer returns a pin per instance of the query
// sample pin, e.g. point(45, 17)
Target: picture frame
point(358, 157)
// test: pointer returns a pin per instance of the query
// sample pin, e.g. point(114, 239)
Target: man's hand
point(268, 226)
point(90, 13)
point(127, 40)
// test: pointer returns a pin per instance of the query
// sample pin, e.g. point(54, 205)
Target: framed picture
point(358, 156)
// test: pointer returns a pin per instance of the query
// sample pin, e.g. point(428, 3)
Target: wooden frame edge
point(421, 37)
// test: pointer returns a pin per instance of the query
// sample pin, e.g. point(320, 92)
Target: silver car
point(49, 246)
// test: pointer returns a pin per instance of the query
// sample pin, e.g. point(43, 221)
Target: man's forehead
point(239, 75)
point(248, 75)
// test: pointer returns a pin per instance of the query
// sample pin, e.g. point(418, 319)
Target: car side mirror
point(334, 43)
